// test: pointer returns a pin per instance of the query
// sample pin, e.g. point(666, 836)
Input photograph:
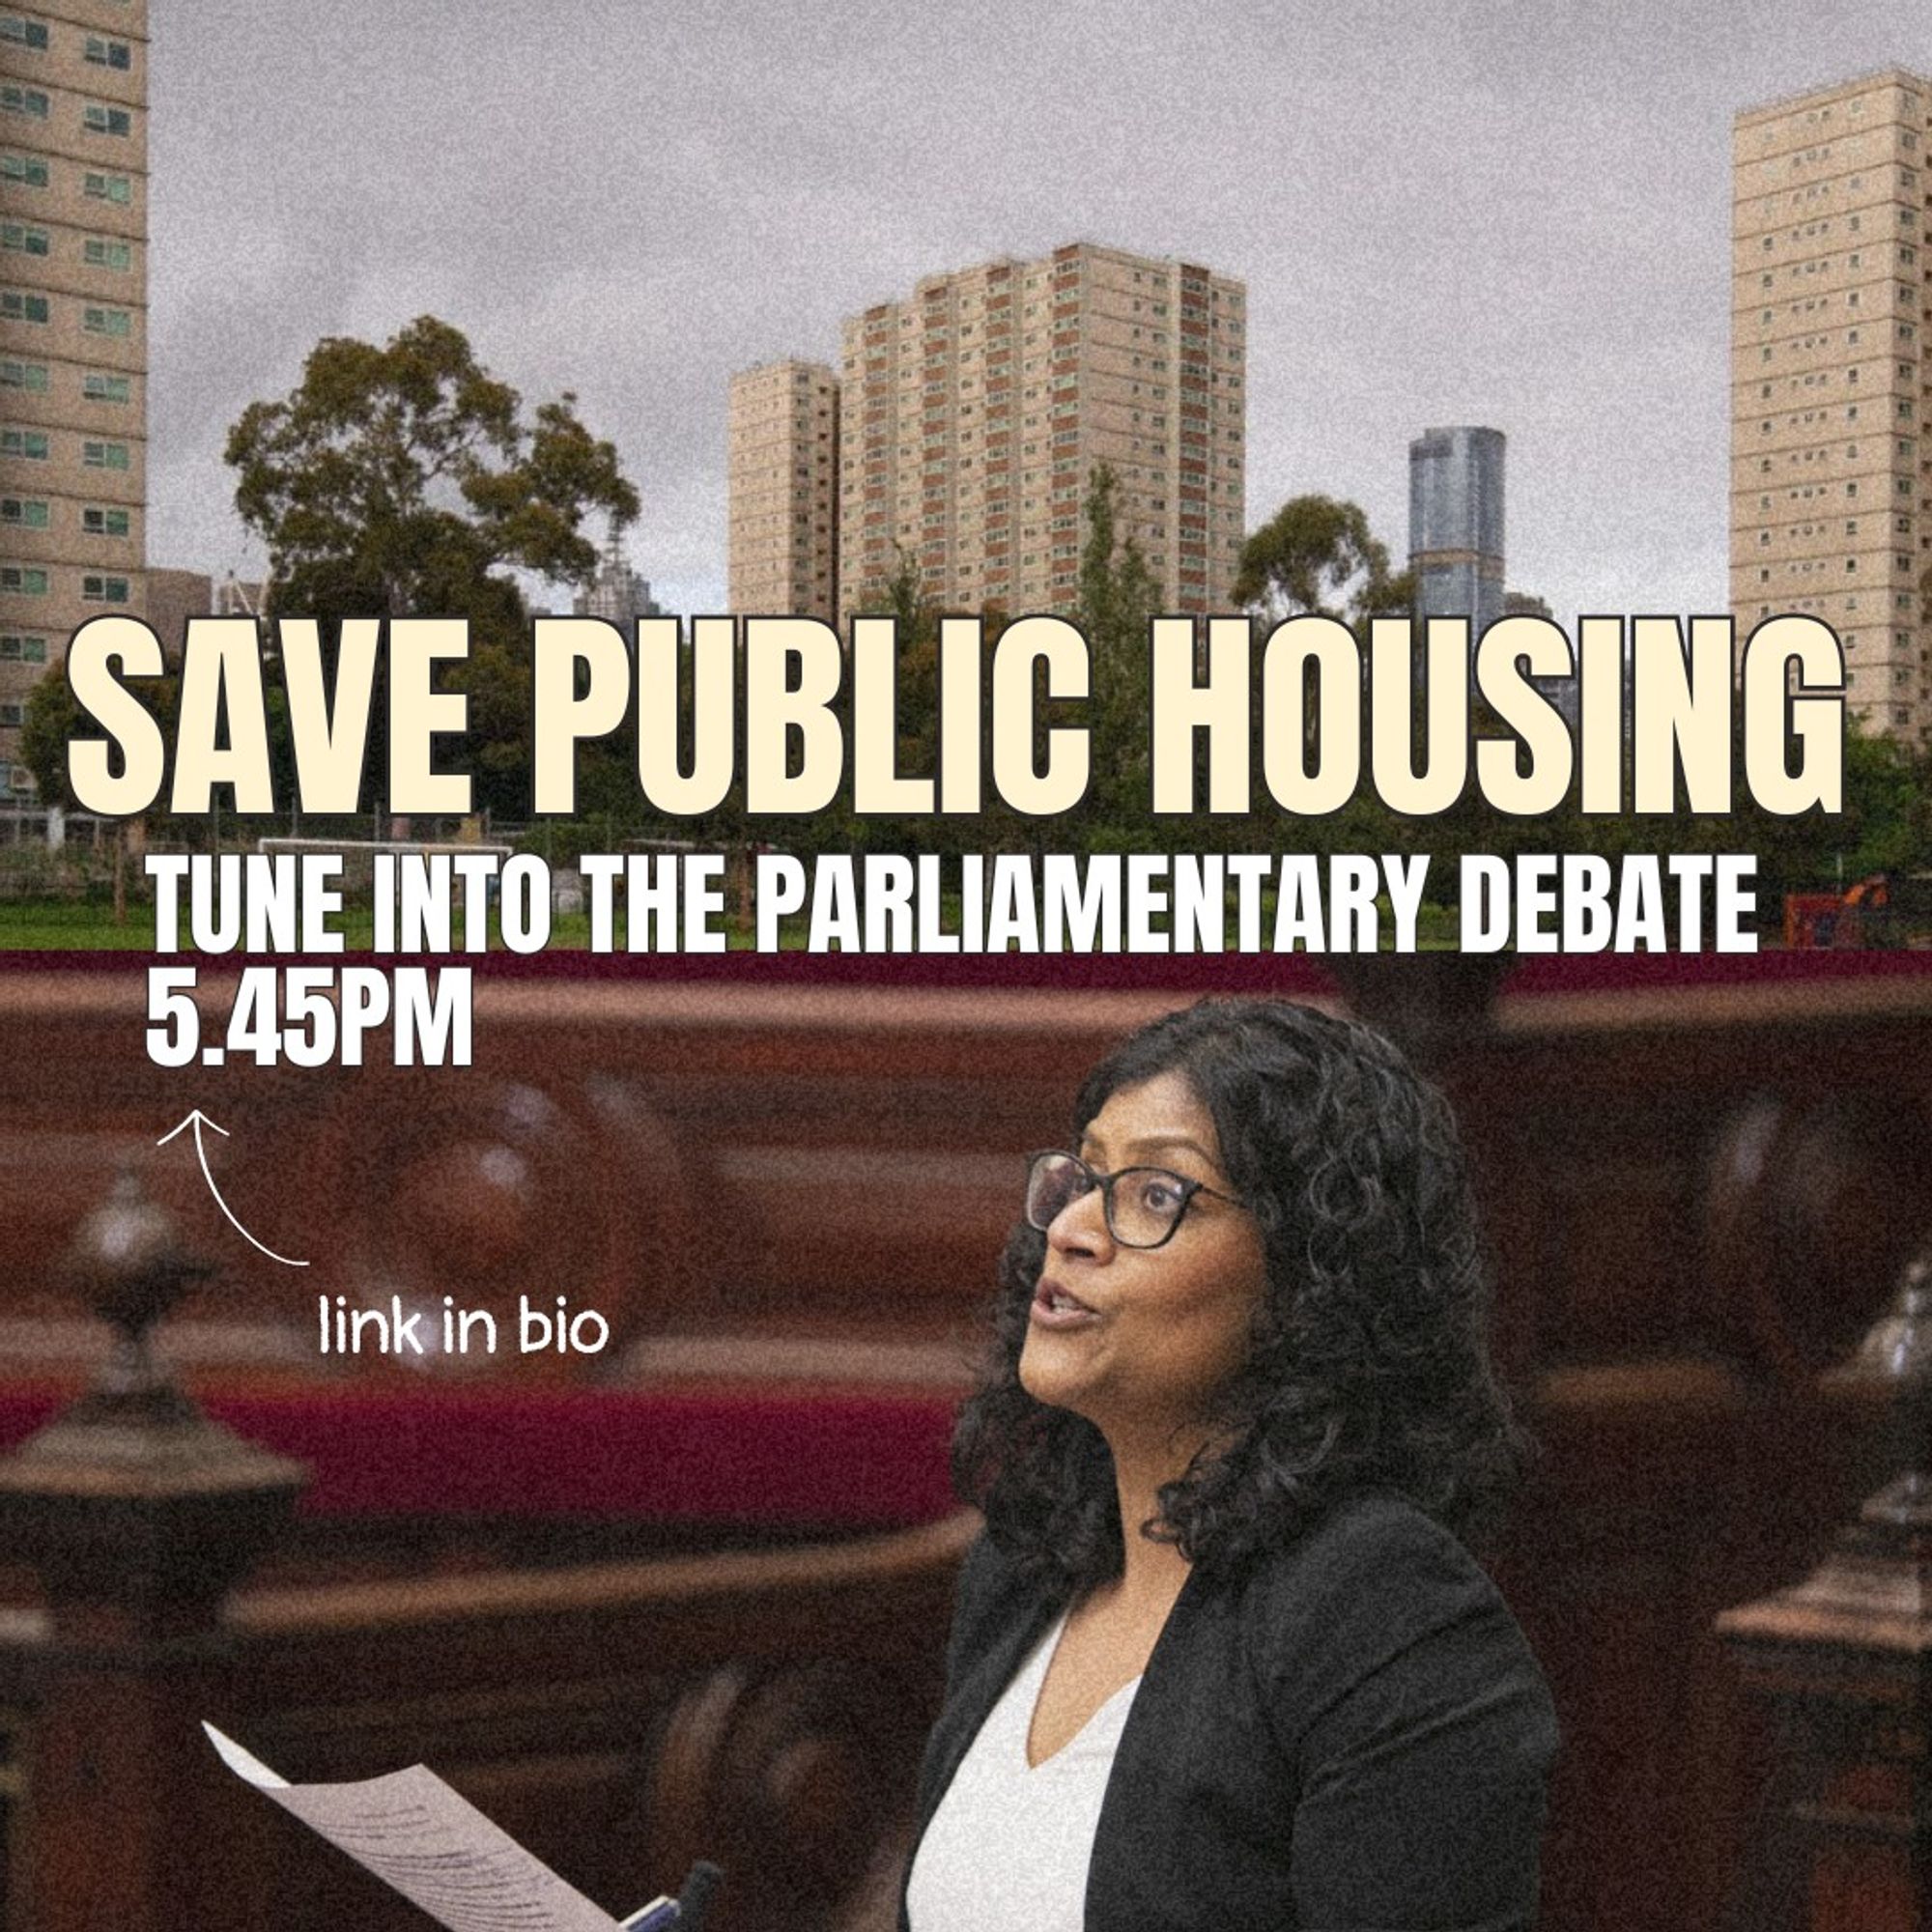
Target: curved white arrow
point(197, 1120)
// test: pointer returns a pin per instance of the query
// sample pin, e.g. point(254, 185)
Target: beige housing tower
point(1832, 301)
point(73, 334)
point(973, 415)
point(784, 487)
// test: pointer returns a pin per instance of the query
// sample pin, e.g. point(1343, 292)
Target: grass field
point(57, 924)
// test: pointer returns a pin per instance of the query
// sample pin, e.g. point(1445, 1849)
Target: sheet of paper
point(434, 1847)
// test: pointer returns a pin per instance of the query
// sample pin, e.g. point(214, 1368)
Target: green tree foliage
point(1316, 553)
point(51, 719)
point(406, 480)
point(401, 481)
point(1317, 556)
point(1886, 826)
point(909, 600)
point(915, 612)
point(1118, 593)
point(1119, 597)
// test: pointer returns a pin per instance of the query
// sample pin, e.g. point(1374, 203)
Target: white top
point(1010, 1842)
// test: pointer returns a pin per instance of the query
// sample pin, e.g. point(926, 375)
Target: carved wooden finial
point(1894, 1362)
point(136, 1429)
point(126, 1263)
point(1876, 1584)
point(136, 1516)
point(1841, 1665)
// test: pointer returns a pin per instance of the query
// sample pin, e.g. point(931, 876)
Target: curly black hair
point(1368, 1367)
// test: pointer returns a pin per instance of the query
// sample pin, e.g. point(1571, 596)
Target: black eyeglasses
point(1143, 1215)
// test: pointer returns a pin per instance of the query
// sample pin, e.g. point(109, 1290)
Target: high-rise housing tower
point(783, 490)
point(974, 413)
point(1455, 524)
point(1831, 302)
point(73, 334)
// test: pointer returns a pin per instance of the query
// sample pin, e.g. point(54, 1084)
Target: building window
point(17, 239)
point(22, 32)
point(101, 520)
point(29, 513)
point(27, 100)
point(16, 647)
point(97, 386)
point(108, 187)
point(29, 445)
point(103, 589)
point(107, 322)
point(116, 54)
point(104, 455)
point(98, 251)
point(18, 580)
point(12, 716)
point(97, 119)
point(29, 376)
point(24, 170)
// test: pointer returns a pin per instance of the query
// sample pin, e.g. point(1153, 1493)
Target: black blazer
point(1354, 1733)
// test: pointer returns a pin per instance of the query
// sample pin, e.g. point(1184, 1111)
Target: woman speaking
point(1221, 1660)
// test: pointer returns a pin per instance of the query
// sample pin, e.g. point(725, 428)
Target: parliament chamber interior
point(679, 1588)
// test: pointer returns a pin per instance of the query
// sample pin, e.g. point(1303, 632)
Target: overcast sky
point(1513, 214)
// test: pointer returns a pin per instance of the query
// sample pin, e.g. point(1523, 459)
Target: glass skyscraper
point(1455, 524)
